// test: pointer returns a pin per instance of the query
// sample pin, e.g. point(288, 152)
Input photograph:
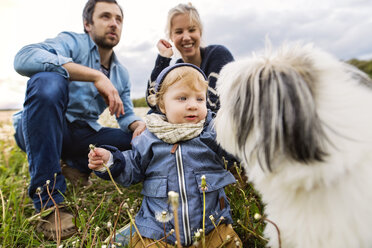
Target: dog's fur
point(301, 122)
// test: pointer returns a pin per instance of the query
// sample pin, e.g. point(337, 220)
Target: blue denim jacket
point(150, 161)
point(85, 103)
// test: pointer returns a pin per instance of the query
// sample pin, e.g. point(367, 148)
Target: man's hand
point(107, 90)
point(165, 48)
point(104, 86)
point(137, 127)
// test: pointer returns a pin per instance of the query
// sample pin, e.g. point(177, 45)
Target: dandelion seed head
point(257, 216)
point(203, 182)
point(109, 224)
point(173, 198)
point(126, 206)
point(163, 217)
point(228, 237)
point(47, 182)
point(38, 190)
point(237, 244)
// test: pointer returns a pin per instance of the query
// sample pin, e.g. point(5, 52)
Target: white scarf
point(172, 133)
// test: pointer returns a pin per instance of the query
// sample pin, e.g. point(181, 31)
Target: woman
point(184, 29)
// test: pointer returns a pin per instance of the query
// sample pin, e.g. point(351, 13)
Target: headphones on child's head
point(164, 72)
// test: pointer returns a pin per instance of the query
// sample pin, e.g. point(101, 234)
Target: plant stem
point(134, 224)
point(90, 217)
point(176, 226)
point(3, 204)
point(277, 229)
point(57, 218)
point(203, 237)
point(92, 147)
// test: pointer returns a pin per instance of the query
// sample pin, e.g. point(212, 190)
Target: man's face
point(107, 24)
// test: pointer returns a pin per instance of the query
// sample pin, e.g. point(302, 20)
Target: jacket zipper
point(183, 196)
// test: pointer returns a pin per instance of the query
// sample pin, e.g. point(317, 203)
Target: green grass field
point(97, 209)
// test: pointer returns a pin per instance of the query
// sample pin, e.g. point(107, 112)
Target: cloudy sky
point(341, 27)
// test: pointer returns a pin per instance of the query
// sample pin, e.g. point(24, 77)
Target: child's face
point(184, 105)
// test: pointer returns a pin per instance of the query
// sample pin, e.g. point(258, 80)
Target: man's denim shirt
point(85, 103)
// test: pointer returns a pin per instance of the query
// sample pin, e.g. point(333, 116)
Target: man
point(72, 78)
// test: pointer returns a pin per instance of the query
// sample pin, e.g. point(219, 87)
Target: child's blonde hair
point(188, 9)
point(186, 75)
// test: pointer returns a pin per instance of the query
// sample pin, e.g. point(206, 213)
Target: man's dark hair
point(89, 9)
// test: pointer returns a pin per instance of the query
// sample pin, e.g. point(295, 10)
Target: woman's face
point(186, 37)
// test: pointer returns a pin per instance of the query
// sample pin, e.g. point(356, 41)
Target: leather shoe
point(49, 227)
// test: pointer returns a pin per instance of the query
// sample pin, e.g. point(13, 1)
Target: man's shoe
point(50, 228)
point(76, 177)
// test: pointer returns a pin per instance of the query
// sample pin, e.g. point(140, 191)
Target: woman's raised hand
point(165, 48)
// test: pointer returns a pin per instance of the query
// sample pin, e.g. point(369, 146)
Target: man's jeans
point(47, 136)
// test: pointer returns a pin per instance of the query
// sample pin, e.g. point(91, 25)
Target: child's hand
point(98, 157)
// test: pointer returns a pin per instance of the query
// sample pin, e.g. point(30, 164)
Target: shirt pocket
point(155, 195)
point(216, 202)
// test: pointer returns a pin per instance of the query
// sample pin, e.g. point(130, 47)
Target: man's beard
point(101, 42)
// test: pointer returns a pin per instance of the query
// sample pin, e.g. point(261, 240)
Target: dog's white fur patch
point(316, 201)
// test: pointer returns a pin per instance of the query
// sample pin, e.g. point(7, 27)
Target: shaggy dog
point(301, 122)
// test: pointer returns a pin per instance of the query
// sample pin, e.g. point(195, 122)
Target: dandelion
point(203, 187)
point(163, 216)
point(47, 182)
point(257, 216)
point(197, 236)
point(97, 228)
point(109, 224)
point(92, 147)
point(228, 237)
point(126, 206)
point(211, 218)
point(237, 244)
point(173, 199)
point(39, 190)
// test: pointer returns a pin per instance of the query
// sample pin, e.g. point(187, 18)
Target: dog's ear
point(277, 104)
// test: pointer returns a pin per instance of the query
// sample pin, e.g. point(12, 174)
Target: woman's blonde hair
point(187, 75)
point(183, 9)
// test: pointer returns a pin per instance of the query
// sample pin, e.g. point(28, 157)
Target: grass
point(96, 209)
